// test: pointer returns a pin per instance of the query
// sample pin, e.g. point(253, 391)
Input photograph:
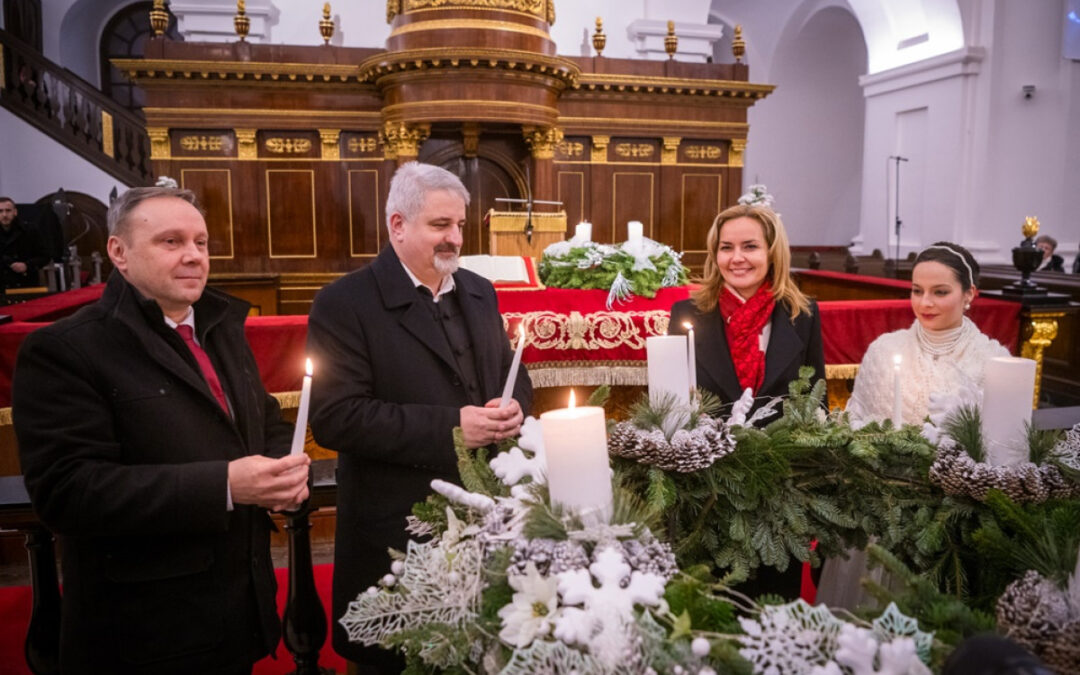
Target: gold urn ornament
point(326, 24)
point(671, 41)
point(738, 45)
point(159, 18)
point(241, 22)
point(1031, 227)
point(599, 39)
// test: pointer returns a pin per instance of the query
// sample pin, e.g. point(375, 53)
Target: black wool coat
point(386, 395)
point(124, 451)
point(792, 344)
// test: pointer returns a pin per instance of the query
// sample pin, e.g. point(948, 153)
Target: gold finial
point(241, 22)
point(159, 18)
point(1031, 227)
point(326, 24)
point(598, 38)
point(671, 41)
point(738, 45)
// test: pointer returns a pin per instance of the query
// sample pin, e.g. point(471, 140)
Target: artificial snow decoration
point(459, 495)
point(756, 195)
point(532, 610)
point(166, 182)
point(700, 646)
point(892, 623)
point(789, 638)
point(859, 649)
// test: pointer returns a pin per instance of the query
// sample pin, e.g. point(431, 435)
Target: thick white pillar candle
point(668, 367)
point(300, 432)
point(511, 378)
point(898, 399)
point(635, 230)
point(575, 448)
point(1008, 392)
point(583, 232)
point(691, 366)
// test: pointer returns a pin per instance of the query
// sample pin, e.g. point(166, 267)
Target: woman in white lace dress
point(942, 351)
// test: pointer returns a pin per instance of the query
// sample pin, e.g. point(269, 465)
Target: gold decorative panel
point(572, 149)
point(192, 143)
point(290, 213)
point(703, 152)
point(275, 144)
point(213, 189)
point(634, 150)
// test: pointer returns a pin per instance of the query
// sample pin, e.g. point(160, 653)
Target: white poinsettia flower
point(532, 610)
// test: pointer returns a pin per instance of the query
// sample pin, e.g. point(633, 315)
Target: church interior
point(877, 127)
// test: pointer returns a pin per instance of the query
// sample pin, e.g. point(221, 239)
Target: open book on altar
point(503, 270)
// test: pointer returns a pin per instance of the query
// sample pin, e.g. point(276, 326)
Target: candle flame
point(307, 367)
point(572, 405)
point(521, 330)
point(896, 360)
point(687, 325)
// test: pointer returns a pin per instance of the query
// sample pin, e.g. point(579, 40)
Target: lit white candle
point(300, 432)
point(635, 230)
point(1008, 395)
point(898, 399)
point(583, 232)
point(511, 378)
point(667, 366)
point(692, 361)
point(575, 448)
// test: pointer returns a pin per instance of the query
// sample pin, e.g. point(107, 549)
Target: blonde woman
point(753, 328)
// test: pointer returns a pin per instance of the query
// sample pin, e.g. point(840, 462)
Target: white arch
point(899, 33)
point(81, 27)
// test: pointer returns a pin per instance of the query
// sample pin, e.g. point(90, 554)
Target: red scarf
point(743, 322)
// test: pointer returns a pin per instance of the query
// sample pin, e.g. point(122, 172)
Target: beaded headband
point(971, 275)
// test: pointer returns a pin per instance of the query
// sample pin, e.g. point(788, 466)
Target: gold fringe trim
point(5, 417)
point(841, 371)
point(588, 376)
point(288, 399)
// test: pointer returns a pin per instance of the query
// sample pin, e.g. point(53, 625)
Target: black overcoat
point(386, 396)
point(125, 451)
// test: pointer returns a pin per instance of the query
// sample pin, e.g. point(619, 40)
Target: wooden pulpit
point(508, 235)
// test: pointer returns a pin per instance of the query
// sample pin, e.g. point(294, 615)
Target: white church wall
point(44, 165)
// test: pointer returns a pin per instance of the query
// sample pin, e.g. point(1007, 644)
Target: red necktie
point(205, 366)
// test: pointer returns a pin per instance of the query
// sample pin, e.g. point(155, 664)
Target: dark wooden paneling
point(365, 221)
point(290, 200)
point(571, 187)
point(633, 197)
point(213, 189)
point(701, 200)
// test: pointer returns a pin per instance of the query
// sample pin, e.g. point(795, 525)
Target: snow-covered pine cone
point(687, 451)
point(566, 556)
point(536, 551)
point(654, 557)
point(1063, 653)
point(1032, 611)
point(955, 472)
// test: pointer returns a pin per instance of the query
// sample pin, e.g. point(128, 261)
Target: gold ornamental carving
point(670, 153)
point(326, 24)
point(330, 142)
point(288, 146)
point(735, 152)
point(599, 39)
point(598, 152)
point(245, 144)
point(159, 142)
point(241, 22)
point(671, 40)
point(1030, 227)
point(401, 140)
point(1039, 333)
point(571, 149)
point(590, 331)
point(107, 143)
point(159, 18)
point(712, 152)
point(738, 45)
point(542, 140)
point(199, 142)
point(362, 145)
point(635, 150)
point(541, 9)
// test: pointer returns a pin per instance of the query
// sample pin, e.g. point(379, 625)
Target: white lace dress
point(931, 361)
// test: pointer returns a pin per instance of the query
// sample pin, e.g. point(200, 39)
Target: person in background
point(407, 349)
point(149, 445)
point(19, 248)
point(1051, 262)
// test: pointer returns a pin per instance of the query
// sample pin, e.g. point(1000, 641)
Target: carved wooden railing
point(73, 112)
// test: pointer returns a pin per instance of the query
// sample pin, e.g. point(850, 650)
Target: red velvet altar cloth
point(574, 339)
point(55, 306)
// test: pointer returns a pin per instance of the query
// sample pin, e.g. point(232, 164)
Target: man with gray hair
point(149, 445)
point(407, 348)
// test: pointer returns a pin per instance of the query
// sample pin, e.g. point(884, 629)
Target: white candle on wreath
point(1008, 396)
point(692, 360)
point(511, 378)
point(575, 449)
point(667, 368)
point(635, 230)
point(898, 399)
point(300, 432)
point(583, 232)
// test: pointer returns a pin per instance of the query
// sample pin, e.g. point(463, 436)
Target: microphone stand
point(899, 222)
